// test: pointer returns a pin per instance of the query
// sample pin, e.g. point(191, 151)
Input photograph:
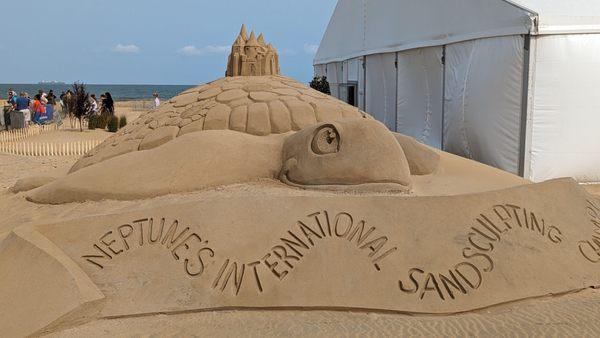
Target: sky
point(151, 41)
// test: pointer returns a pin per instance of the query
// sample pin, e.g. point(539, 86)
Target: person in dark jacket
point(108, 103)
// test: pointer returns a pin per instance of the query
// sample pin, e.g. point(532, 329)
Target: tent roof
point(564, 16)
point(363, 27)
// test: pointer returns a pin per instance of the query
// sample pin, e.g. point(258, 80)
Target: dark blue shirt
point(22, 103)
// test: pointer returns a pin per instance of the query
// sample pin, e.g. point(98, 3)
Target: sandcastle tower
point(251, 56)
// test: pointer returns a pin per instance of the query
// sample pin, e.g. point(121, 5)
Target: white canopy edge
point(347, 25)
point(429, 43)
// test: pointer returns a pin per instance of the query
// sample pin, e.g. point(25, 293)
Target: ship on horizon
point(51, 83)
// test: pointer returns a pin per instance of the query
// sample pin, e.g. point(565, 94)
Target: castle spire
point(261, 39)
point(252, 40)
point(243, 34)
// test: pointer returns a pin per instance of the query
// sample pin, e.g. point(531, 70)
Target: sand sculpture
point(251, 56)
point(275, 196)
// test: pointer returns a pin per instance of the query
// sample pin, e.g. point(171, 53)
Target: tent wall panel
point(566, 108)
point(332, 78)
point(361, 84)
point(345, 71)
point(419, 97)
point(353, 68)
point(381, 88)
point(483, 100)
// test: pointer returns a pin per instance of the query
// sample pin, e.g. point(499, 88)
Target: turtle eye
point(326, 140)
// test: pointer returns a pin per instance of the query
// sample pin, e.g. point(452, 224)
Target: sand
point(564, 315)
point(14, 167)
point(132, 109)
point(144, 293)
point(572, 315)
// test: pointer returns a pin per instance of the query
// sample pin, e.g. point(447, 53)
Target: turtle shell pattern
point(257, 105)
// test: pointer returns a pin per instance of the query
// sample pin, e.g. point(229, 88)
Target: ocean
point(118, 92)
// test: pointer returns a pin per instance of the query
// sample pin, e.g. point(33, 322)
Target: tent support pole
point(523, 157)
point(443, 60)
point(396, 90)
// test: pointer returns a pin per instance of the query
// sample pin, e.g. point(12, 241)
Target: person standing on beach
point(108, 103)
point(39, 109)
point(23, 106)
point(93, 104)
point(156, 100)
point(51, 97)
point(12, 98)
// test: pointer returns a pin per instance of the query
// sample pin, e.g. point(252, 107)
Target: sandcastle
point(256, 192)
point(251, 56)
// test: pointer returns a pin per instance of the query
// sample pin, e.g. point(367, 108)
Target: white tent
point(513, 84)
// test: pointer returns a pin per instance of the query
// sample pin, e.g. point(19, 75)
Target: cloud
point(126, 49)
point(190, 50)
point(310, 48)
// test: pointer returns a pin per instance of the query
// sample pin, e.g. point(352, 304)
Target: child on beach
point(39, 110)
point(156, 100)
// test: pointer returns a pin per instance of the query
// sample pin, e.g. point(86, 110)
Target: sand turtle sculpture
point(241, 128)
point(312, 205)
point(254, 105)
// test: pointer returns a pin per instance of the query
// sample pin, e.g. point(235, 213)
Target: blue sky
point(151, 41)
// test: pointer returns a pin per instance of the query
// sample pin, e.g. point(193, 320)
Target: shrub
point(81, 102)
point(93, 122)
point(122, 121)
point(320, 83)
point(102, 121)
point(113, 124)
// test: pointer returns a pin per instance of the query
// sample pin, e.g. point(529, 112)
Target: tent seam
point(427, 128)
point(463, 128)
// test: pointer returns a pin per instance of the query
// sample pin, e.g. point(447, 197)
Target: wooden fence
point(48, 148)
point(15, 135)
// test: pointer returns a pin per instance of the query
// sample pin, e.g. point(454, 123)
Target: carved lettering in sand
point(590, 248)
point(184, 245)
point(291, 248)
point(278, 262)
point(486, 231)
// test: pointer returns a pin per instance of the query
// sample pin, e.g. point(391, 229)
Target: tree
point(320, 83)
point(81, 104)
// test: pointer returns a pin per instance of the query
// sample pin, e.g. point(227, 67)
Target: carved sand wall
point(417, 255)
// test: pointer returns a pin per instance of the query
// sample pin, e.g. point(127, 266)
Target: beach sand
point(572, 314)
point(563, 315)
